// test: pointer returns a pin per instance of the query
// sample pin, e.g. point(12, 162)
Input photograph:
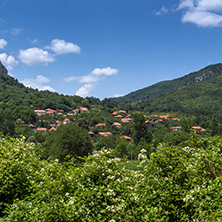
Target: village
point(119, 119)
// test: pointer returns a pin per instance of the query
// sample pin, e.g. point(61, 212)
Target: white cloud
point(105, 71)
point(3, 43)
point(38, 83)
point(203, 18)
point(84, 90)
point(89, 78)
point(35, 56)
point(62, 47)
point(8, 61)
point(34, 41)
point(203, 13)
point(95, 76)
point(70, 79)
point(117, 95)
point(162, 11)
point(15, 31)
point(186, 4)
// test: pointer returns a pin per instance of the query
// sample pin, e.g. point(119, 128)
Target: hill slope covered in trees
point(197, 93)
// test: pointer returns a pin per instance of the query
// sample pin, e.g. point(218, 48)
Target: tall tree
point(186, 124)
point(140, 129)
point(69, 139)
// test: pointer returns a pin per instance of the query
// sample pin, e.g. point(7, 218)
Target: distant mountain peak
point(3, 70)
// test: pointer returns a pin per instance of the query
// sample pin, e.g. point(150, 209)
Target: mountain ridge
point(169, 86)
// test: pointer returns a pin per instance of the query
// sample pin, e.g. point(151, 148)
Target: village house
point(177, 128)
point(127, 138)
point(100, 124)
point(40, 112)
point(118, 125)
point(65, 121)
point(105, 134)
point(42, 129)
point(126, 120)
point(198, 128)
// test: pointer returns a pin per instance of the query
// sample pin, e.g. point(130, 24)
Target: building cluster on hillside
point(121, 116)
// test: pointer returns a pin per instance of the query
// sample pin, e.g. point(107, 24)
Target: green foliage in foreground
point(177, 183)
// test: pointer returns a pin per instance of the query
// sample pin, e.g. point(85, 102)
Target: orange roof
point(126, 120)
point(39, 111)
point(41, 129)
point(117, 124)
point(198, 128)
point(83, 109)
point(119, 116)
point(32, 126)
point(176, 119)
point(176, 127)
point(52, 129)
point(90, 133)
point(60, 114)
point(126, 137)
point(122, 111)
point(105, 134)
point(101, 124)
point(165, 117)
point(70, 114)
point(114, 113)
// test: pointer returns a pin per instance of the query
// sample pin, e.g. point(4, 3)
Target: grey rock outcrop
point(3, 69)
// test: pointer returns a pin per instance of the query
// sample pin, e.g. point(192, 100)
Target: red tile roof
point(122, 111)
point(101, 124)
point(105, 134)
point(126, 137)
point(176, 127)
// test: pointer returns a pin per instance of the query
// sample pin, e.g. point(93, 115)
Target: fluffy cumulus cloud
point(8, 61)
point(204, 13)
point(38, 83)
point(91, 79)
point(35, 56)
point(85, 90)
point(3, 43)
point(62, 47)
point(105, 71)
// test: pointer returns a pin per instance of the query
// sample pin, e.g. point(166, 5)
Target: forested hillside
point(198, 93)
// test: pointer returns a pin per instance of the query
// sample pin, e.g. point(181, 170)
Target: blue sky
point(107, 48)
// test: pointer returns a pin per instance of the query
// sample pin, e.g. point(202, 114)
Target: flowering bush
point(181, 183)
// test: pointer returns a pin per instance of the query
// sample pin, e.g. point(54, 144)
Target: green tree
point(186, 124)
point(214, 126)
point(122, 148)
point(140, 129)
point(71, 140)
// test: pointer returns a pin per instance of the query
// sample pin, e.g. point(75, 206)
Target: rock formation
point(3, 69)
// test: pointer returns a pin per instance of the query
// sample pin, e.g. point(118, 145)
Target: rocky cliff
point(3, 69)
